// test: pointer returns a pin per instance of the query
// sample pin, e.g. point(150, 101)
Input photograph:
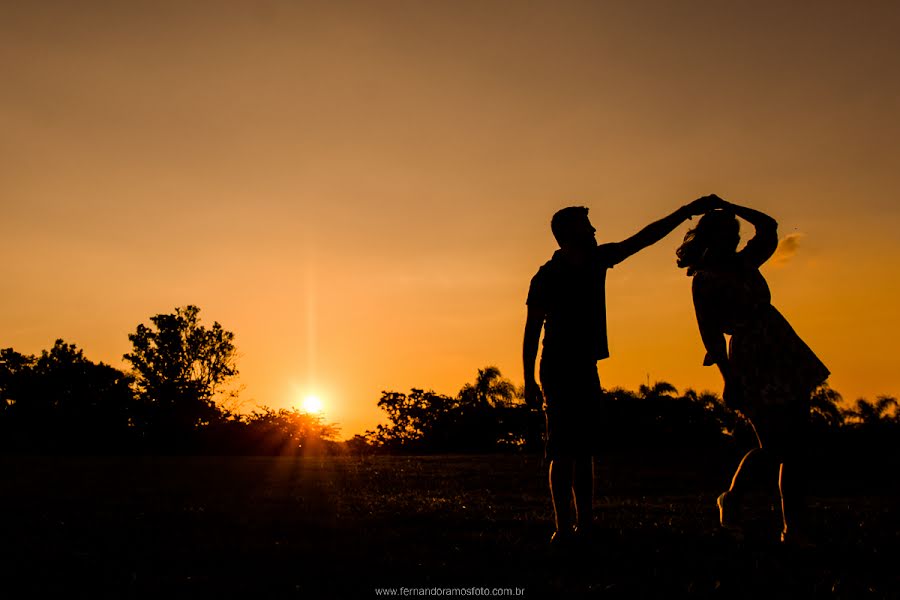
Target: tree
point(361, 445)
point(485, 416)
point(421, 420)
point(281, 432)
point(13, 367)
point(493, 415)
point(872, 413)
point(63, 401)
point(824, 409)
point(179, 367)
point(490, 389)
point(660, 390)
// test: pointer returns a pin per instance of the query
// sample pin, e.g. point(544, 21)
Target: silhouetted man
point(567, 298)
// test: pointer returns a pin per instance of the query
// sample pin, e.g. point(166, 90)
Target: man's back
point(572, 295)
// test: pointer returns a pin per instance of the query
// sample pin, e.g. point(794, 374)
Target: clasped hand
point(705, 204)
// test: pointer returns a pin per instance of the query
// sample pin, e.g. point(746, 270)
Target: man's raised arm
point(657, 230)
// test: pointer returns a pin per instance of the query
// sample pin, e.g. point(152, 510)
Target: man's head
point(572, 228)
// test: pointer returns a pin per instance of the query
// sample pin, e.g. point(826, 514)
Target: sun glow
point(312, 404)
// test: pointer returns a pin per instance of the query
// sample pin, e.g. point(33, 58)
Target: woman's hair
point(716, 235)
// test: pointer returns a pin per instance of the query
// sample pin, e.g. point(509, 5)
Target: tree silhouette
point(285, 432)
point(489, 389)
point(824, 408)
point(659, 391)
point(871, 414)
point(657, 418)
point(13, 369)
point(493, 414)
point(487, 415)
point(179, 366)
point(421, 420)
point(61, 401)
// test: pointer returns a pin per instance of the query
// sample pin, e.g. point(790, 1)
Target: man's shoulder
point(610, 254)
point(546, 269)
point(557, 267)
point(542, 284)
point(539, 280)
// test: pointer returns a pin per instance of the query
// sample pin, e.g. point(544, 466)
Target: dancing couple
point(769, 373)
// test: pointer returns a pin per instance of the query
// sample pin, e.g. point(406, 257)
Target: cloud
point(787, 248)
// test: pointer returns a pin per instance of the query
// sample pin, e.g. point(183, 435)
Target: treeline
point(490, 415)
point(178, 398)
point(175, 399)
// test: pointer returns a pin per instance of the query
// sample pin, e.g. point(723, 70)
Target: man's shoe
point(562, 539)
point(796, 540)
point(584, 533)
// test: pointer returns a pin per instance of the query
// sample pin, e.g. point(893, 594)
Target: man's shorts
point(572, 401)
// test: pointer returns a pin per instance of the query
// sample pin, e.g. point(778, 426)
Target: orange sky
point(361, 191)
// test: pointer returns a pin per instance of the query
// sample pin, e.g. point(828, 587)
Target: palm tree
point(660, 390)
point(490, 389)
point(872, 413)
point(708, 400)
point(824, 406)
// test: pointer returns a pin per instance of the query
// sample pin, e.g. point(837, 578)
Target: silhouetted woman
point(769, 371)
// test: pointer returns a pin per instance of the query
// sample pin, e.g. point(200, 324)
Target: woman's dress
point(769, 364)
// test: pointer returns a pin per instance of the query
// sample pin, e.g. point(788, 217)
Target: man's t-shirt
point(573, 297)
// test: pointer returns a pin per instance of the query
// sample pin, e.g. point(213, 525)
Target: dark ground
point(257, 527)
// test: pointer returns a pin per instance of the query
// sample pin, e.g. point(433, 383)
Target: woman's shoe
point(562, 538)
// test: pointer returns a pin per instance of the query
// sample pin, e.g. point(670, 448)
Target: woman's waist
point(749, 319)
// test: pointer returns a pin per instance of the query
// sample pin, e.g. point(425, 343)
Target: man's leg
point(584, 492)
point(561, 474)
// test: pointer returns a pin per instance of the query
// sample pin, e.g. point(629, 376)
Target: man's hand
point(534, 398)
point(704, 205)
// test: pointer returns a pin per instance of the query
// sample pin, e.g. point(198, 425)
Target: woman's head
point(715, 238)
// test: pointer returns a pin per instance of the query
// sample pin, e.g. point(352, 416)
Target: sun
point(312, 404)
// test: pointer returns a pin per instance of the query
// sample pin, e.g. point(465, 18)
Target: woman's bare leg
point(792, 486)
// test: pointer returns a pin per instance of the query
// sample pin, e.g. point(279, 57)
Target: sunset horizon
point(293, 307)
point(362, 193)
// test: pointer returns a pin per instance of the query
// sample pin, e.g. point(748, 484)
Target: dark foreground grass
point(254, 527)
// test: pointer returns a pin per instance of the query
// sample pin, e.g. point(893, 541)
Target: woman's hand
point(704, 204)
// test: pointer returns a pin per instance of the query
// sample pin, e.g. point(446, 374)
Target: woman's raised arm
point(762, 245)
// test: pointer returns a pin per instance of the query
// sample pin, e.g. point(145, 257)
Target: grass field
point(258, 527)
